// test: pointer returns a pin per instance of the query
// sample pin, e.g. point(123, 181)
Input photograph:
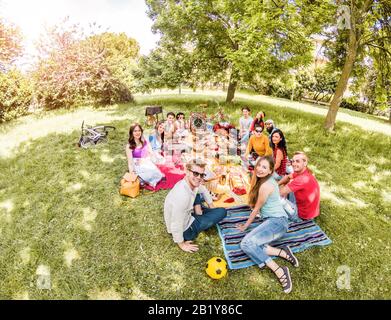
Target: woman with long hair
point(258, 120)
point(157, 138)
point(280, 154)
point(264, 196)
point(139, 153)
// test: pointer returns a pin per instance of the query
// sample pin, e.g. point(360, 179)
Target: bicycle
point(91, 136)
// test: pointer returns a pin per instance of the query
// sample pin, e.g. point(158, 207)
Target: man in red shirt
point(304, 187)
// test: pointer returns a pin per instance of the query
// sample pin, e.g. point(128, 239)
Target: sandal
point(289, 256)
point(285, 279)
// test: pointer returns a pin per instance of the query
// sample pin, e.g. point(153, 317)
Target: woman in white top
point(245, 123)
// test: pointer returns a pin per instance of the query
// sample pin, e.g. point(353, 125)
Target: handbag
point(130, 185)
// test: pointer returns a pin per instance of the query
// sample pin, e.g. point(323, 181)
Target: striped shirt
point(281, 171)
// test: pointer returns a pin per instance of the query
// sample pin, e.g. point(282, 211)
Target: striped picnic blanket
point(300, 236)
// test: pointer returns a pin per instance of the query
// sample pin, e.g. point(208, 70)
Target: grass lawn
point(60, 209)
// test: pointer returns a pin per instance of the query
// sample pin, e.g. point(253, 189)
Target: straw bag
point(130, 185)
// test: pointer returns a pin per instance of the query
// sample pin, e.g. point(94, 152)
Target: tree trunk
point(231, 91)
point(343, 80)
point(180, 88)
point(233, 83)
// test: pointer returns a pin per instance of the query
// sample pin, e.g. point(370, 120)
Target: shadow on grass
point(60, 207)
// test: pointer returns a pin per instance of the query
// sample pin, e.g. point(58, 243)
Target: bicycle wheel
point(102, 140)
point(85, 142)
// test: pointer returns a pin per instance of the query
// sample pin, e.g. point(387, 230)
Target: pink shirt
point(140, 152)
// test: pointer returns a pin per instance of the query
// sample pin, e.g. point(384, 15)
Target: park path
point(366, 124)
point(26, 130)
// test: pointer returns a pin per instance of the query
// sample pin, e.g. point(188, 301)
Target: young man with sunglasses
point(182, 220)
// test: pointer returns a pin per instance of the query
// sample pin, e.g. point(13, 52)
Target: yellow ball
point(216, 268)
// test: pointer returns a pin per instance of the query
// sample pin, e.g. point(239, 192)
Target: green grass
point(340, 110)
point(58, 201)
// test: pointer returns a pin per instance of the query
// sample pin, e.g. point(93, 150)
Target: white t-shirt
point(178, 208)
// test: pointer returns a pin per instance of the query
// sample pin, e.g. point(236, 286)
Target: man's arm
point(283, 184)
point(284, 180)
point(208, 198)
point(284, 191)
point(178, 216)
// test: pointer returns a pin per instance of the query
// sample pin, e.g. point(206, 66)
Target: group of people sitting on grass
point(279, 194)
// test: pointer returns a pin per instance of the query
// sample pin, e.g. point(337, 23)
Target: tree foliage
point(10, 44)
point(15, 94)
point(15, 88)
point(161, 69)
point(76, 68)
point(236, 38)
point(366, 33)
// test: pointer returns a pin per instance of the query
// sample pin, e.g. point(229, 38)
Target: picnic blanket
point(173, 173)
point(300, 236)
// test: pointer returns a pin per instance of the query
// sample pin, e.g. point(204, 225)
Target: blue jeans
point(254, 244)
point(295, 216)
point(203, 222)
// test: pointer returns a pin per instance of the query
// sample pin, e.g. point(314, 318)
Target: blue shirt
point(273, 208)
point(155, 143)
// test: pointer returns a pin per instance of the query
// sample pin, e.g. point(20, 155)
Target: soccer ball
point(216, 268)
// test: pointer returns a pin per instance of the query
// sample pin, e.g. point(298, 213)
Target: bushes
point(74, 69)
point(74, 85)
point(15, 95)
point(80, 72)
point(353, 104)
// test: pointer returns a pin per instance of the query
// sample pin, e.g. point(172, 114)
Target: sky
point(127, 16)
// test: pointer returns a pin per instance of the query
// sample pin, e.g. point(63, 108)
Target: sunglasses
point(259, 131)
point(197, 174)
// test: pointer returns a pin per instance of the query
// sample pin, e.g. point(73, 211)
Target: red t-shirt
point(307, 194)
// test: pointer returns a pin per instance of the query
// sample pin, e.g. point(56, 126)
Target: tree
point(15, 94)
point(10, 44)
point(366, 24)
point(162, 69)
point(236, 37)
point(77, 68)
point(15, 88)
point(121, 53)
